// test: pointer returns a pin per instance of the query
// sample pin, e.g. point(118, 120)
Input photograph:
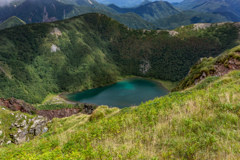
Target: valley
point(94, 50)
point(83, 80)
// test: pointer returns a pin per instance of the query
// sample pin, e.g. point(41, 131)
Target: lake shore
point(61, 97)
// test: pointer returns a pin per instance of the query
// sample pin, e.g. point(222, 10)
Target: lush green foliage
point(196, 124)
point(11, 22)
point(93, 50)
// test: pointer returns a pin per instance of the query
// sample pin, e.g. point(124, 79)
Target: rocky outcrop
point(88, 108)
point(56, 32)
point(59, 113)
point(17, 105)
point(54, 48)
point(23, 128)
point(145, 66)
point(67, 112)
point(27, 129)
point(221, 69)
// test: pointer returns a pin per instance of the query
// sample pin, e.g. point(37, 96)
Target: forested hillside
point(94, 50)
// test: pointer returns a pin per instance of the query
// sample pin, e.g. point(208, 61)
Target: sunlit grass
point(199, 123)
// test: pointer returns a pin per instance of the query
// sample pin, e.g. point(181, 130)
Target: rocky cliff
point(205, 67)
point(67, 112)
point(21, 122)
point(17, 105)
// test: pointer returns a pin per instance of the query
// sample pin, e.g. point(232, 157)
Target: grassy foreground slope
point(201, 123)
point(94, 50)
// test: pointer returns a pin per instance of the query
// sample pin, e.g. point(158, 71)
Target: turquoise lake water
point(126, 93)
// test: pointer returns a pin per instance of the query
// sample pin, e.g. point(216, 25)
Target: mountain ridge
point(12, 22)
point(83, 52)
point(150, 11)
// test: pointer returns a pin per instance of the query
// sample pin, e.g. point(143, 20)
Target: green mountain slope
point(11, 22)
point(200, 123)
point(150, 11)
point(93, 50)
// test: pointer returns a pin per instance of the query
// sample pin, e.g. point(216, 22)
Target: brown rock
point(17, 105)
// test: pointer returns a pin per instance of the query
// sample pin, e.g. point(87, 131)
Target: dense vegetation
point(93, 50)
point(11, 22)
point(202, 123)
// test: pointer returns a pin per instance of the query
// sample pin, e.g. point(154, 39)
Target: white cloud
point(5, 2)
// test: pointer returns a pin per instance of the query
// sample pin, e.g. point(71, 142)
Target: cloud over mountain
point(5, 2)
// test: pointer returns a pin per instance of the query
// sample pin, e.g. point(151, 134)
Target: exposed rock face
point(221, 69)
point(67, 112)
point(59, 113)
point(201, 26)
point(45, 16)
point(56, 32)
point(54, 48)
point(173, 33)
point(23, 129)
point(17, 105)
point(88, 108)
point(28, 128)
point(145, 66)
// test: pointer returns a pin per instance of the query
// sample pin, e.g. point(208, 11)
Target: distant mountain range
point(187, 18)
point(130, 3)
point(52, 10)
point(150, 10)
point(223, 7)
point(144, 15)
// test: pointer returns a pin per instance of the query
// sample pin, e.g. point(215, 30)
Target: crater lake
point(126, 93)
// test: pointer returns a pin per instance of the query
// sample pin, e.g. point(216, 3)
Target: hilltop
point(11, 22)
